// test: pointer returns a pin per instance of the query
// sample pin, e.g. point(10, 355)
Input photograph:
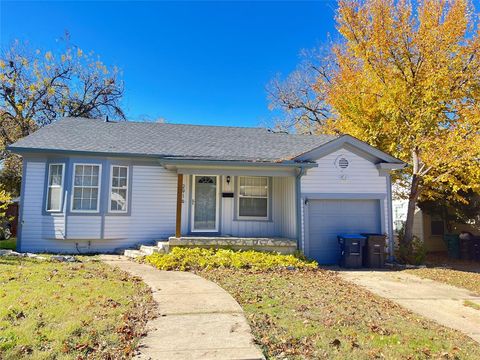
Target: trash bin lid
point(351, 236)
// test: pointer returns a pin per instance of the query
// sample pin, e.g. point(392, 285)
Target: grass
point(463, 279)
point(471, 304)
point(315, 314)
point(51, 310)
point(10, 244)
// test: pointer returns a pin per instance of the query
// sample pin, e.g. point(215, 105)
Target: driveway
point(197, 319)
point(437, 301)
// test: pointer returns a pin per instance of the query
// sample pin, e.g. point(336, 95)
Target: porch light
point(228, 179)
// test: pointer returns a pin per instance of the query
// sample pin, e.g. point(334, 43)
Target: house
point(98, 186)
point(428, 227)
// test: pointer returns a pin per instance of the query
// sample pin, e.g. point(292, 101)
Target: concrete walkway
point(197, 319)
point(431, 299)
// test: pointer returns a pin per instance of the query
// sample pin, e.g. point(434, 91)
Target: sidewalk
point(197, 319)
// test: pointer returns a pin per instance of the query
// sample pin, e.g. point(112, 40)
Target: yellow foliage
point(408, 81)
point(5, 200)
point(198, 258)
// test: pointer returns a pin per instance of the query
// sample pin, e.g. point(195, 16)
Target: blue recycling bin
point(351, 250)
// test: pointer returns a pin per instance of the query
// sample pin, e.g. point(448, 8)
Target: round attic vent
point(343, 163)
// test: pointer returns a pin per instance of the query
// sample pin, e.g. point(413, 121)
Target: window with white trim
point(118, 188)
point(55, 187)
point(86, 188)
point(253, 197)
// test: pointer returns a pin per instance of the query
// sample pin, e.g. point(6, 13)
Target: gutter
point(164, 160)
point(204, 162)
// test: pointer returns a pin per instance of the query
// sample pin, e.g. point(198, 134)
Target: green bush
point(414, 254)
point(198, 258)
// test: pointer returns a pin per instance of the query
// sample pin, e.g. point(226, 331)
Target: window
point(253, 197)
point(55, 187)
point(436, 225)
point(118, 188)
point(86, 186)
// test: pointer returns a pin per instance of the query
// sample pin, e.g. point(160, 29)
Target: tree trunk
point(412, 204)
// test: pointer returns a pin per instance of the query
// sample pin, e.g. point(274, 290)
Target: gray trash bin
point(351, 247)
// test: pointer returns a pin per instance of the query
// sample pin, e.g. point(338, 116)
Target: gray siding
point(32, 227)
point(152, 217)
point(361, 177)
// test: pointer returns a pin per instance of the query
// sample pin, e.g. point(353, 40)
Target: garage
point(328, 218)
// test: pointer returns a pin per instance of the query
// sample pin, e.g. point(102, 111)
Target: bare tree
point(37, 88)
point(298, 96)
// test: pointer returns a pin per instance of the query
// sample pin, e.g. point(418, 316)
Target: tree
point(298, 97)
point(5, 201)
point(37, 88)
point(408, 82)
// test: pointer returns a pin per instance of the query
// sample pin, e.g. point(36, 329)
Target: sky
point(186, 62)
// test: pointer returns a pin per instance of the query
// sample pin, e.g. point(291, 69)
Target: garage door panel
point(330, 225)
point(328, 218)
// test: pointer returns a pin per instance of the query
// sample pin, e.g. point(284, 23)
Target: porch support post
point(298, 206)
point(178, 227)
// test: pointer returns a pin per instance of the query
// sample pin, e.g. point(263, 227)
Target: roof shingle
point(169, 140)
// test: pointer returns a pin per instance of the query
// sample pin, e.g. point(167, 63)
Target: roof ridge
point(263, 129)
point(162, 124)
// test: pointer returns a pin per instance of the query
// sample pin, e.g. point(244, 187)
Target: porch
point(252, 204)
point(278, 245)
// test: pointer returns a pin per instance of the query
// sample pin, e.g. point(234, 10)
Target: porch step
point(149, 250)
point(144, 250)
point(164, 246)
point(133, 253)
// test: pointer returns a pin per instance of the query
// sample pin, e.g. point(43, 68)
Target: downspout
point(298, 209)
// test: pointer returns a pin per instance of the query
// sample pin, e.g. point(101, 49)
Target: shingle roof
point(169, 140)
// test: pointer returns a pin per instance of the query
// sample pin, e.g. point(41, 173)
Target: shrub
point(198, 258)
point(414, 254)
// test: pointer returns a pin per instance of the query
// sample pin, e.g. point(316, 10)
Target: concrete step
point(149, 250)
point(163, 246)
point(133, 253)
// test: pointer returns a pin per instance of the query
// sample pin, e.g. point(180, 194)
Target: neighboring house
point(98, 186)
point(430, 228)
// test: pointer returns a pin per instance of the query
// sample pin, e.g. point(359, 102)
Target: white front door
point(205, 204)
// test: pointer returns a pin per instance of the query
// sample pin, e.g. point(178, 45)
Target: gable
point(353, 145)
point(356, 175)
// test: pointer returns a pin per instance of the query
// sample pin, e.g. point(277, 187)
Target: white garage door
point(328, 218)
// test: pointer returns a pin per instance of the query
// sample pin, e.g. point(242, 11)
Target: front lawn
point(463, 279)
point(69, 310)
point(315, 314)
point(10, 244)
point(297, 311)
